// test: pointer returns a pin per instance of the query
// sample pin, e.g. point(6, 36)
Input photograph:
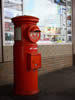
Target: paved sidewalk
point(58, 85)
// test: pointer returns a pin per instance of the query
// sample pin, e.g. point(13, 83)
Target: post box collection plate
point(34, 61)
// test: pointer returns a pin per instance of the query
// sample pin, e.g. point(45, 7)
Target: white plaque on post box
point(17, 35)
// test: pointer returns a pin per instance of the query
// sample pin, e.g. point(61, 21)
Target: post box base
point(26, 93)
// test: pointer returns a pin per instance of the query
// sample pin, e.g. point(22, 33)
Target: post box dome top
point(25, 18)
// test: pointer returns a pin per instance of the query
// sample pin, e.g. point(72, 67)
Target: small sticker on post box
point(33, 61)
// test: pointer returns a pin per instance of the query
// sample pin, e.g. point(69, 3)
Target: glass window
point(55, 19)
point(12, 8)
point(69, 20)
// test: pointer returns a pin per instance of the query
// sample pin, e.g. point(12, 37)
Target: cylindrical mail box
point(27, 60)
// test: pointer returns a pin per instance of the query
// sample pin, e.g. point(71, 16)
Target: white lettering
point(33, 48)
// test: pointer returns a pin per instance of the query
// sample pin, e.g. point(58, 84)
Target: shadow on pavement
point(58, 85)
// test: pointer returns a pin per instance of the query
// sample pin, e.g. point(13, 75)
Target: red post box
point(27, 60)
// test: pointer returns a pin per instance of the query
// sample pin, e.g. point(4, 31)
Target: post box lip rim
point(25, 18)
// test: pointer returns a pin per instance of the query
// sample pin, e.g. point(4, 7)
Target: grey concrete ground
point(58, 85)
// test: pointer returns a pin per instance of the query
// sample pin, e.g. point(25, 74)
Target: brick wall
point(6, 73)
point(54, 57)
point(8, 53)
point(55, 63)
